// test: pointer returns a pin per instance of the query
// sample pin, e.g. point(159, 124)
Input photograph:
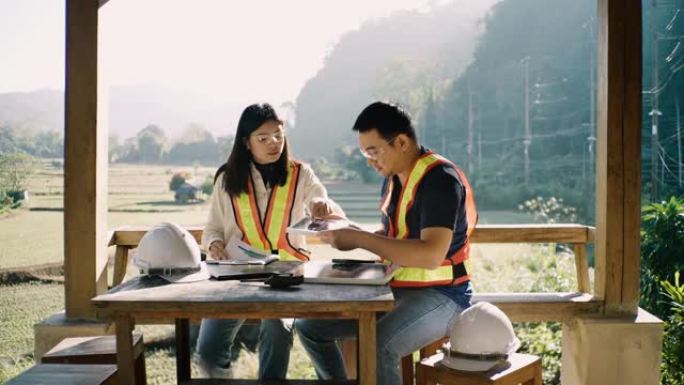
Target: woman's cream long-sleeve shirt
point(221, 225)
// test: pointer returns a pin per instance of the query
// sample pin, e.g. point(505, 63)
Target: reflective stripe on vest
point(454, 269)
point(277, 218)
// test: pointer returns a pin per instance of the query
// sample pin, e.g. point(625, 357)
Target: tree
point(15, 170)
point(196, 144)
point(48, 144)
point(151, 144)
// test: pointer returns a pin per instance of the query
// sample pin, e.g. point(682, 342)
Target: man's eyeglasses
point(276, 137)
point(374, 153)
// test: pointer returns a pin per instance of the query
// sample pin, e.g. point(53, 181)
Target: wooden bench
point(66, 374)
point(100, 350)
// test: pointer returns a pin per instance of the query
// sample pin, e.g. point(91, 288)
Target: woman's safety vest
point(271, 235)
point(453, 269)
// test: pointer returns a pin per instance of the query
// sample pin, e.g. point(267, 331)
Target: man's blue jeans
point(420, 316)
point(216, 337)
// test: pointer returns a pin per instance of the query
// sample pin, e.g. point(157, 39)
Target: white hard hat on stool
point(481, 337)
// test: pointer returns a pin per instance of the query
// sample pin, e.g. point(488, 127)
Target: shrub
point(15, 170)
point(662, 242)
point(207, 186)
point(5, 202)
point(549, 210)
point(673, 341)
point(178, 179)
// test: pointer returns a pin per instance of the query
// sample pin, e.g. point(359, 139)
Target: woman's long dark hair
point(236, 170)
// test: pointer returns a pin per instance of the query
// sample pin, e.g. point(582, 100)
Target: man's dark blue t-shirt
point(439, 202)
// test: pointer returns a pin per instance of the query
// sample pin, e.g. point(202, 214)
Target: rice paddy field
point(31, 238)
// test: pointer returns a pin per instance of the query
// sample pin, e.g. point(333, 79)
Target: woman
point(257, 193)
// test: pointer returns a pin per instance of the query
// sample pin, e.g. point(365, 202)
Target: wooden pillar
point(618, 155)
point(85, 164)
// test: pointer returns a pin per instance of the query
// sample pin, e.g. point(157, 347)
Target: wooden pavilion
point(607, 339)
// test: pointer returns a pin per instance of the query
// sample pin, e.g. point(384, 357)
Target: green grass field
point(138, 195)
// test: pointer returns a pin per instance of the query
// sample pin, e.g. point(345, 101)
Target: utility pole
point(479, 131)
point(471, 119)
point(591, 139)
point(679, 141)
point(528, 135)
point(655, 112)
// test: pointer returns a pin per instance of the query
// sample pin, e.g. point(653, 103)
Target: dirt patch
point(47, 273)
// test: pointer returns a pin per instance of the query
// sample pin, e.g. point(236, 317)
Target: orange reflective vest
point(272, 232)
point(453, 270)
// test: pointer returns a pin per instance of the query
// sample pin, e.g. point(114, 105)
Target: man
point(428, 213)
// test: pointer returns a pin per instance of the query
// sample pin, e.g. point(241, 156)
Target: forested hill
point(519, 119)
point(399, 57)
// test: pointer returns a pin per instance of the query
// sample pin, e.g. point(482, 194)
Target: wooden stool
point(63, 374)
point(525, 369)
point(96, 350)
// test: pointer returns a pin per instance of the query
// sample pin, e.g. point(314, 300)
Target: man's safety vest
point(453, 270)
point(270, 235)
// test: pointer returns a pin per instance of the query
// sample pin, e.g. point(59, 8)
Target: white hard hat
point(171, 252)
point(481, 337)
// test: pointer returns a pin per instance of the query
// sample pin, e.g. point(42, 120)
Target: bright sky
point(228, 50)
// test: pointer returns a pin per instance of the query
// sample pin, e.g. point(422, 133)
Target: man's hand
point(217, 250)
point(342, 239)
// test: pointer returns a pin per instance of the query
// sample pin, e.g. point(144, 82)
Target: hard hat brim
point(201, 275)
point(467, 365)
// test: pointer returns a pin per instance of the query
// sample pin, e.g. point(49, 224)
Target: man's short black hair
point(389, 119)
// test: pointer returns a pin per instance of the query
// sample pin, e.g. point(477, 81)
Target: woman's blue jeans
point(420, 316)
point(216, 337)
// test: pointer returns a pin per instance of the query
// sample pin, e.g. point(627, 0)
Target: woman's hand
point(321, 208)
point(217, 250)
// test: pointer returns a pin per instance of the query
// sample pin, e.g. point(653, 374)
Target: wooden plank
point(541, 307)
point(547, 233)
point(125, 356)
point(206, 381)
point(131, 235)
point(349, 355)
point(183, 349)
point(530, 233)
point(520, 307)
point(120, 264)
point(63, 374)
point(367, 365)
point(581, 267)
point(85, 164)
point(89, 350)
point(618, 154)
point(155, 296)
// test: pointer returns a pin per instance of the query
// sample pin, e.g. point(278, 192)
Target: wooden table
point(152, 299)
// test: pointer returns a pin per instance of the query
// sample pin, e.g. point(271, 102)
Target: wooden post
point(581, 267)
point(367, 354)
point(618, 155)
point(125, 356)
point(183, 349)
point(85, 165)
point(120, 264)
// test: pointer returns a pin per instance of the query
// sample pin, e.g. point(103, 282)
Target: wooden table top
point(149, 295)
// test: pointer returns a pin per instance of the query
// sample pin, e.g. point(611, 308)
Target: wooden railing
point(557, 306)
